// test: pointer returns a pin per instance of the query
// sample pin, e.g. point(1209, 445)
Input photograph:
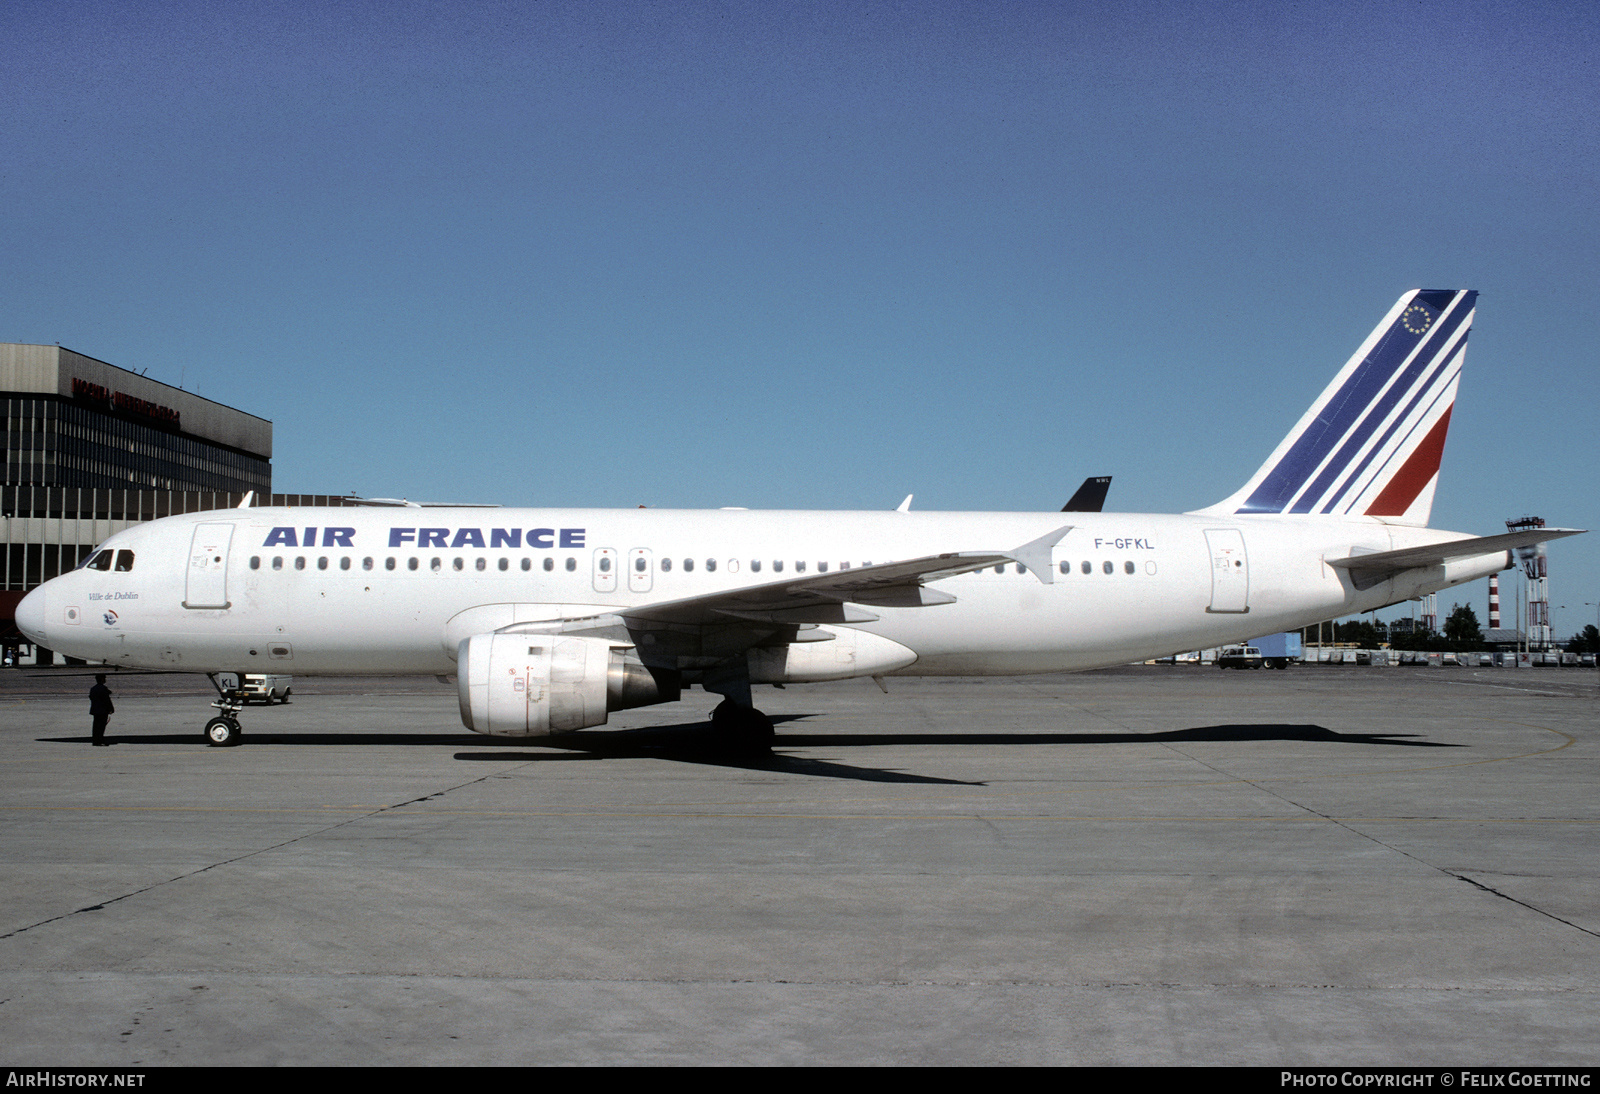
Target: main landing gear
point(223, 730)
point(741, 729)
point(736, 725)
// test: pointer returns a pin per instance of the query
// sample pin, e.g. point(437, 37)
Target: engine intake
point(530, 685)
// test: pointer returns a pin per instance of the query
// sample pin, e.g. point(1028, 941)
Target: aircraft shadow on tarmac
point(691, 742)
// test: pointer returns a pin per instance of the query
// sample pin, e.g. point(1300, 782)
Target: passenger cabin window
point(777, 566)
point(666, 565)
point(638, 565)
point(688, 565)
point(605, 565)
point(711, 565)
point(322, 563)
point(435, 565)
point(277, 562)
point(1107, 566)
point(822, 567)
point(344, 563)
point(411, 563)
point(366, 563)
point(755, 565)
point(527, 564)
point(388, 563)
point(1087, 567)
point(1066, 567)
point(300, 562)
point(799, 567)
point(255, 562)
point(457, 563)
point(549, 564)
point(1127, 567)
point(572, 565)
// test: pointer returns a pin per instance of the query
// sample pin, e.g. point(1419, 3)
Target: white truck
point(267, 688)
point(1240, 657)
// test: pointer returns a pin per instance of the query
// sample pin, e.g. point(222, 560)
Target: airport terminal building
point(72, 421)
point(91, 448)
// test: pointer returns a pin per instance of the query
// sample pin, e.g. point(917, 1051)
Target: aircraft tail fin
point(1090, 497)
point(1371, 443)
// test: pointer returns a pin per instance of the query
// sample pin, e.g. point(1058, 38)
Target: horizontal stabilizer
point(1369, 569)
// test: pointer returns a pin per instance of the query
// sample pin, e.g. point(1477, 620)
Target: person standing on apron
point(100, 709)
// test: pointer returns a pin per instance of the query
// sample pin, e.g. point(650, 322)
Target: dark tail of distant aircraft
point(1091, 496)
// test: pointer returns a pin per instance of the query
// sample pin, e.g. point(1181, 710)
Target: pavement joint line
point(1349, 826)
point(1506, 896)
point(701, 813)
point(102, 905)
point(953, 982)
point(1513, 687)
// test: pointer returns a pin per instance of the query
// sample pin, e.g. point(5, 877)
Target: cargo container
point(1279, 651)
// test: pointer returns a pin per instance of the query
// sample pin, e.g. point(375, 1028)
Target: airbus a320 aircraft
point(551, 618)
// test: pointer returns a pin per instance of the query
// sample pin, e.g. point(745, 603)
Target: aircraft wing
point(831, 597)
point(1369, 569)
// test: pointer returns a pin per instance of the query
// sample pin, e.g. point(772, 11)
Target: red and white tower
point(1535, 571)
point(1494, 602)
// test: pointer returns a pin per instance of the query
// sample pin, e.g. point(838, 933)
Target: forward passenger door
point(207, 582)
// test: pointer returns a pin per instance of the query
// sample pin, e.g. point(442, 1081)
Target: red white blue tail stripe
point(1371, 443)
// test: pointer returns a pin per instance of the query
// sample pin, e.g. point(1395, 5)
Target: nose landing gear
point(223, 730)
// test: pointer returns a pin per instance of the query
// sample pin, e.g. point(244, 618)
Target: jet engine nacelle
point(528, 685)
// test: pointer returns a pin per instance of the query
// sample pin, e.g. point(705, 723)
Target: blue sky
point(816, 255)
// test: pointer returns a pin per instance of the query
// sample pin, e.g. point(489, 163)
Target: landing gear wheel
point(222, 732)
point(741, 729)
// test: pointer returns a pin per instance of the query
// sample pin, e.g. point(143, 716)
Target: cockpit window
point(124, 561)
point(100, 560)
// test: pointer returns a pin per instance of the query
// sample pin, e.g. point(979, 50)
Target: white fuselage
point(383, 590)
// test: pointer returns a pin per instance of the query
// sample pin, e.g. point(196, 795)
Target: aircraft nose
point(30, 615)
